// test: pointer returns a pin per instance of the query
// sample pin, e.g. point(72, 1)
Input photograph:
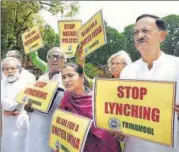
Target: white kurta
point(165, 68)
point(30, 78)
point(38, 131)
point(56, 77)
point(13, 139)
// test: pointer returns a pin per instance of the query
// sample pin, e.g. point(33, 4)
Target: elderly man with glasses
point(56, 60)
point(38, 131)
point(13, 138)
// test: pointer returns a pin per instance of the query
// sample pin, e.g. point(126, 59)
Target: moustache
point(11, 75)
point(141, 40)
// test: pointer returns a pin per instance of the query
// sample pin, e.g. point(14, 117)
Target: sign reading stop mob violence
point(68, 131)
point(32, 39)
point(40, 94)
point(92, 34)
point(68, 36)
point(143, 109)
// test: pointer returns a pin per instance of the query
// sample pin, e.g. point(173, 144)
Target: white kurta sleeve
point(124, 73)
point(9, 104)
point(30, 78)
point(8, 95)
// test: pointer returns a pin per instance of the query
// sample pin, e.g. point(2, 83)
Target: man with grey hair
point(13, 138)
point(30, 78)
point(40, 123)
point(56, 60)
point(117, 62)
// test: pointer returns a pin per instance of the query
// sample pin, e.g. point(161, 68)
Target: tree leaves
point(172, 26)
point(18, 16)
point(125, 41)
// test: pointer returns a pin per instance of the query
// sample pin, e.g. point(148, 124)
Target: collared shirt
point(56, 77)
point(165, 68)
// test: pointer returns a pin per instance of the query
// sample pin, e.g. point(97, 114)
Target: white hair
point(18, 54)
point(56, 49)
point(7, 59)
point(123, 54)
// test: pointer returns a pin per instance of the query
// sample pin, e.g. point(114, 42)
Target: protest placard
point(32, 39)
point(40, 94)
point(68, 36)
point(68, 131)
point(92, 34)
point(138, 108)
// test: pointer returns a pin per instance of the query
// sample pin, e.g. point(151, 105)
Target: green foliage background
point(18, 16)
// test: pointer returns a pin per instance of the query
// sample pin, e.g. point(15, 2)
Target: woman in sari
point(78, 100)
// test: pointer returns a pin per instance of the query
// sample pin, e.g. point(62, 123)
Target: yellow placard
point(92, 34)
point(68, 36)
point(68, 131)
point(137, 108)
point(32, 40)
point(40, 94)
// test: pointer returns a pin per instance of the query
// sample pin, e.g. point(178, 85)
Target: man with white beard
point(30, 78)
point(13, 138)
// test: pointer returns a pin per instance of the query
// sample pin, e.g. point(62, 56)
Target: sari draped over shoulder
point(98, 140)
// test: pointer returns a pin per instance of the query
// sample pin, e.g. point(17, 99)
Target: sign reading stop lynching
point(41, 94)
point(137, 108)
